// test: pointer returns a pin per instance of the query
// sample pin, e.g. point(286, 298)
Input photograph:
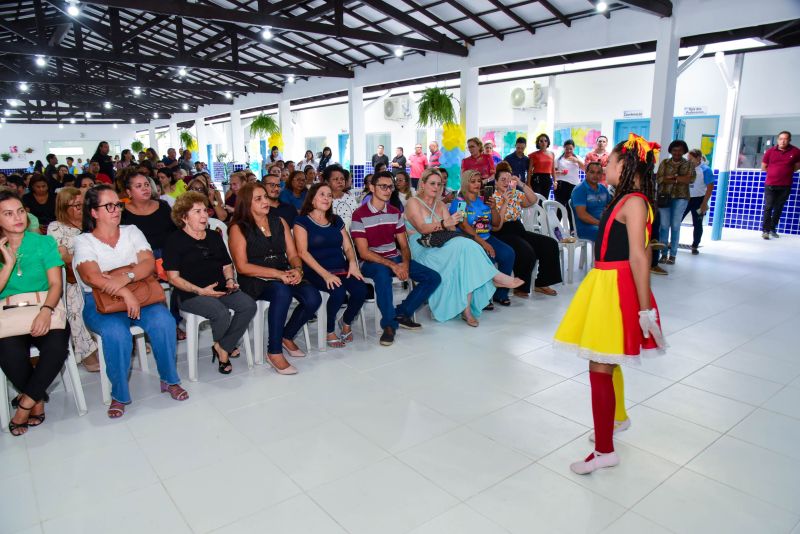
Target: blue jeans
point(159, 326)
point(280, 297)
point(427, 280)
point(350, 286)
point(504, 257)
point(671, 218)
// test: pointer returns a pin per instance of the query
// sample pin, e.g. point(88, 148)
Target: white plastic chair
point(262, 306)
point(586, 260)
point(534, 219)
point(322, 322)
point(552, 209)
point(541, 199)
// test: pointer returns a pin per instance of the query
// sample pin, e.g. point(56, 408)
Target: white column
point(151, 136)
point(287, 131)
point(469, 101)
point(725, 141)
point(237, 137)
point(355, 112)
point(202, 140)
point(664, 82)
point(552, 115)
point(174, 141)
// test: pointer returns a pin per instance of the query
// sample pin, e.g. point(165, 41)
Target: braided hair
point(635, 166)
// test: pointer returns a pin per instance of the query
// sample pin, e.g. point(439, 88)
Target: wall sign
point(695, 110)
point(633, 114)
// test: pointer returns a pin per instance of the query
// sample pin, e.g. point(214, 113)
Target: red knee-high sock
point(603, 405)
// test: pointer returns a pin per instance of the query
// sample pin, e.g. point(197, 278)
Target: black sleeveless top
point(264, 251)
point(617, 245)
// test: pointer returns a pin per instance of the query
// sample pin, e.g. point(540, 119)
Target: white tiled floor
point(453, 429)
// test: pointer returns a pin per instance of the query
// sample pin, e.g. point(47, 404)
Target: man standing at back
point(380, 157)
point(382, 244)
point(399, 161)
point(780, 163)
point(419, 162)
point(599, 155)
point(519, 160)
point(436, 154)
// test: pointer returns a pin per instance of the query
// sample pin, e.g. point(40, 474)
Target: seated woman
point(344, 204)
point(269, 269)
point(69, 212)
point(236, 181)
point(29, 262)
point(469, 278)
point(528, 246)
point(324, 246)
point(215, 207)
point(150, 216)
point(170, 184)
point(294, 193)
point(105, 246)
point(404, 189)
point(480, 219)
point(200, 269)
point(41, 202)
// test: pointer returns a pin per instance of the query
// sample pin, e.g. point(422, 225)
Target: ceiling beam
point(38, 107)
point(207, 12)
point(153, 84)
point(142, 59)
point(662, 8)
point(513, 16)
point(86, 98)
point(477, 20)
point(556, 12)
point(17, 29)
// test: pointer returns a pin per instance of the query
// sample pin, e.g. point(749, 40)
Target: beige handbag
point(19, 311)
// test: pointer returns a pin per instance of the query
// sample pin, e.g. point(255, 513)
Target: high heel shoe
point(291, 370)
point(18, 429)
point(294, 353)
point(224, 368)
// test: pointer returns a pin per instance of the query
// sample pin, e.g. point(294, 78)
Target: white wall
point(35, 136)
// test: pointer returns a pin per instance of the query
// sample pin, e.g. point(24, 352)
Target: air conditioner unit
point(529, 97)
point(397, 108)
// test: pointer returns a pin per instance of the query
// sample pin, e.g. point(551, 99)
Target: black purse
point(438, 238)
point(664, 199)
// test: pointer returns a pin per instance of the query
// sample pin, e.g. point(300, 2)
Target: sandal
point(36, 420)
point(489, 307)
point(503, 302)
point(473, 322)
point(549, 291)
point(521, 294)
point(235, 353)
point(345, 337)
point(224, 368)
point(181, 335)
point(18, 429)
point(335, 343)
point(175, 391)
point(115, 410)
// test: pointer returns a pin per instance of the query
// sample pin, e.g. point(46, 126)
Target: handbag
point(438, 238)
point(663, 199)
point(147, 291)
point(19, 311)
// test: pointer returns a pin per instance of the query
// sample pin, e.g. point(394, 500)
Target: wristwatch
point(130, 275)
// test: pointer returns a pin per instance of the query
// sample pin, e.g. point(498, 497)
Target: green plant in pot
point(435, 107)
point(188, 140)
point(5, 156)
point(137, 146)
point(264, 125)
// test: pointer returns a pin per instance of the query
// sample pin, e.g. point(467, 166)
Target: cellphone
point(488, 191)
point(462, 206)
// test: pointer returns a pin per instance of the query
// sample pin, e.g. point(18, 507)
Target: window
point(378, 138)
point(315, 145)
point(758, 134)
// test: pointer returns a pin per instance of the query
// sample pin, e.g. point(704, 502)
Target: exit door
point(622, 128)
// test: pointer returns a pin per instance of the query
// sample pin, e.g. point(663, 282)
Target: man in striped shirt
point(382, 244)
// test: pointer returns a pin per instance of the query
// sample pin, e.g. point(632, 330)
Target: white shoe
point(619, 426)
point(597, 461)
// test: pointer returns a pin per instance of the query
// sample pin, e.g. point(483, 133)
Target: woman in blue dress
point(469, 278)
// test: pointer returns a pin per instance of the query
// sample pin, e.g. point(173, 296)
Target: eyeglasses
point(270, 184)
point(111, 207)
point(77, 206)
point(385, 187)
point(198, 190)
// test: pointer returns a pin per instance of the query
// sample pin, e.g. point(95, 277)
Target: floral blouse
point(514, 210)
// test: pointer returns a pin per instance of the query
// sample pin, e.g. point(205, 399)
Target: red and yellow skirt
point(602, 322)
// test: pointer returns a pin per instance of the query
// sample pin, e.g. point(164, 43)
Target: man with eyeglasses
point(284, 211)
point(382, 244)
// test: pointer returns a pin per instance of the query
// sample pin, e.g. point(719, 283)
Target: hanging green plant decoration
point(188, 141)
point(5, 156)
point(137, 146)
point(436, 107)
point(264, 125)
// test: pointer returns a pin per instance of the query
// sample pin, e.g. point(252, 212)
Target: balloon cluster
point(275, 139)
point(454, 139)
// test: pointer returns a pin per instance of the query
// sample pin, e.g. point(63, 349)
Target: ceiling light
point(228, 94)
point(60, 126)
point(72, 9)
point(72, 121)
point(137, 91)
point(7, 113)
point(155, 115)
point(182, 71)
point(23, 86)
point(40, 61)
point(13, 103)
point(398, 52)
point(115, 125)
point(133, 121)
point(88, 115)
point(266, 33)
point(3, 120)
point(291, 78)
point(107, 105)
point(601, 6)
point(185, 106)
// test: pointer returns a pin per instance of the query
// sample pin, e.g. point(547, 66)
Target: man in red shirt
point(599, 155)
point(780, 163)
point(418, 162)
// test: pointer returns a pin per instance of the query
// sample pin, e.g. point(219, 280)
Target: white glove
point(648, 322)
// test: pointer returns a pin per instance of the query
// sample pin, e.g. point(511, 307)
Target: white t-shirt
point(168, 199)
point(572, 168)
point(89, 248)
point(344, 208)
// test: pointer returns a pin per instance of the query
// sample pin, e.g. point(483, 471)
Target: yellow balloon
point(453, 136)
point(275, 139)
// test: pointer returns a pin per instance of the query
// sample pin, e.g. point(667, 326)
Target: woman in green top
point(674, 176)
point(29, 262)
